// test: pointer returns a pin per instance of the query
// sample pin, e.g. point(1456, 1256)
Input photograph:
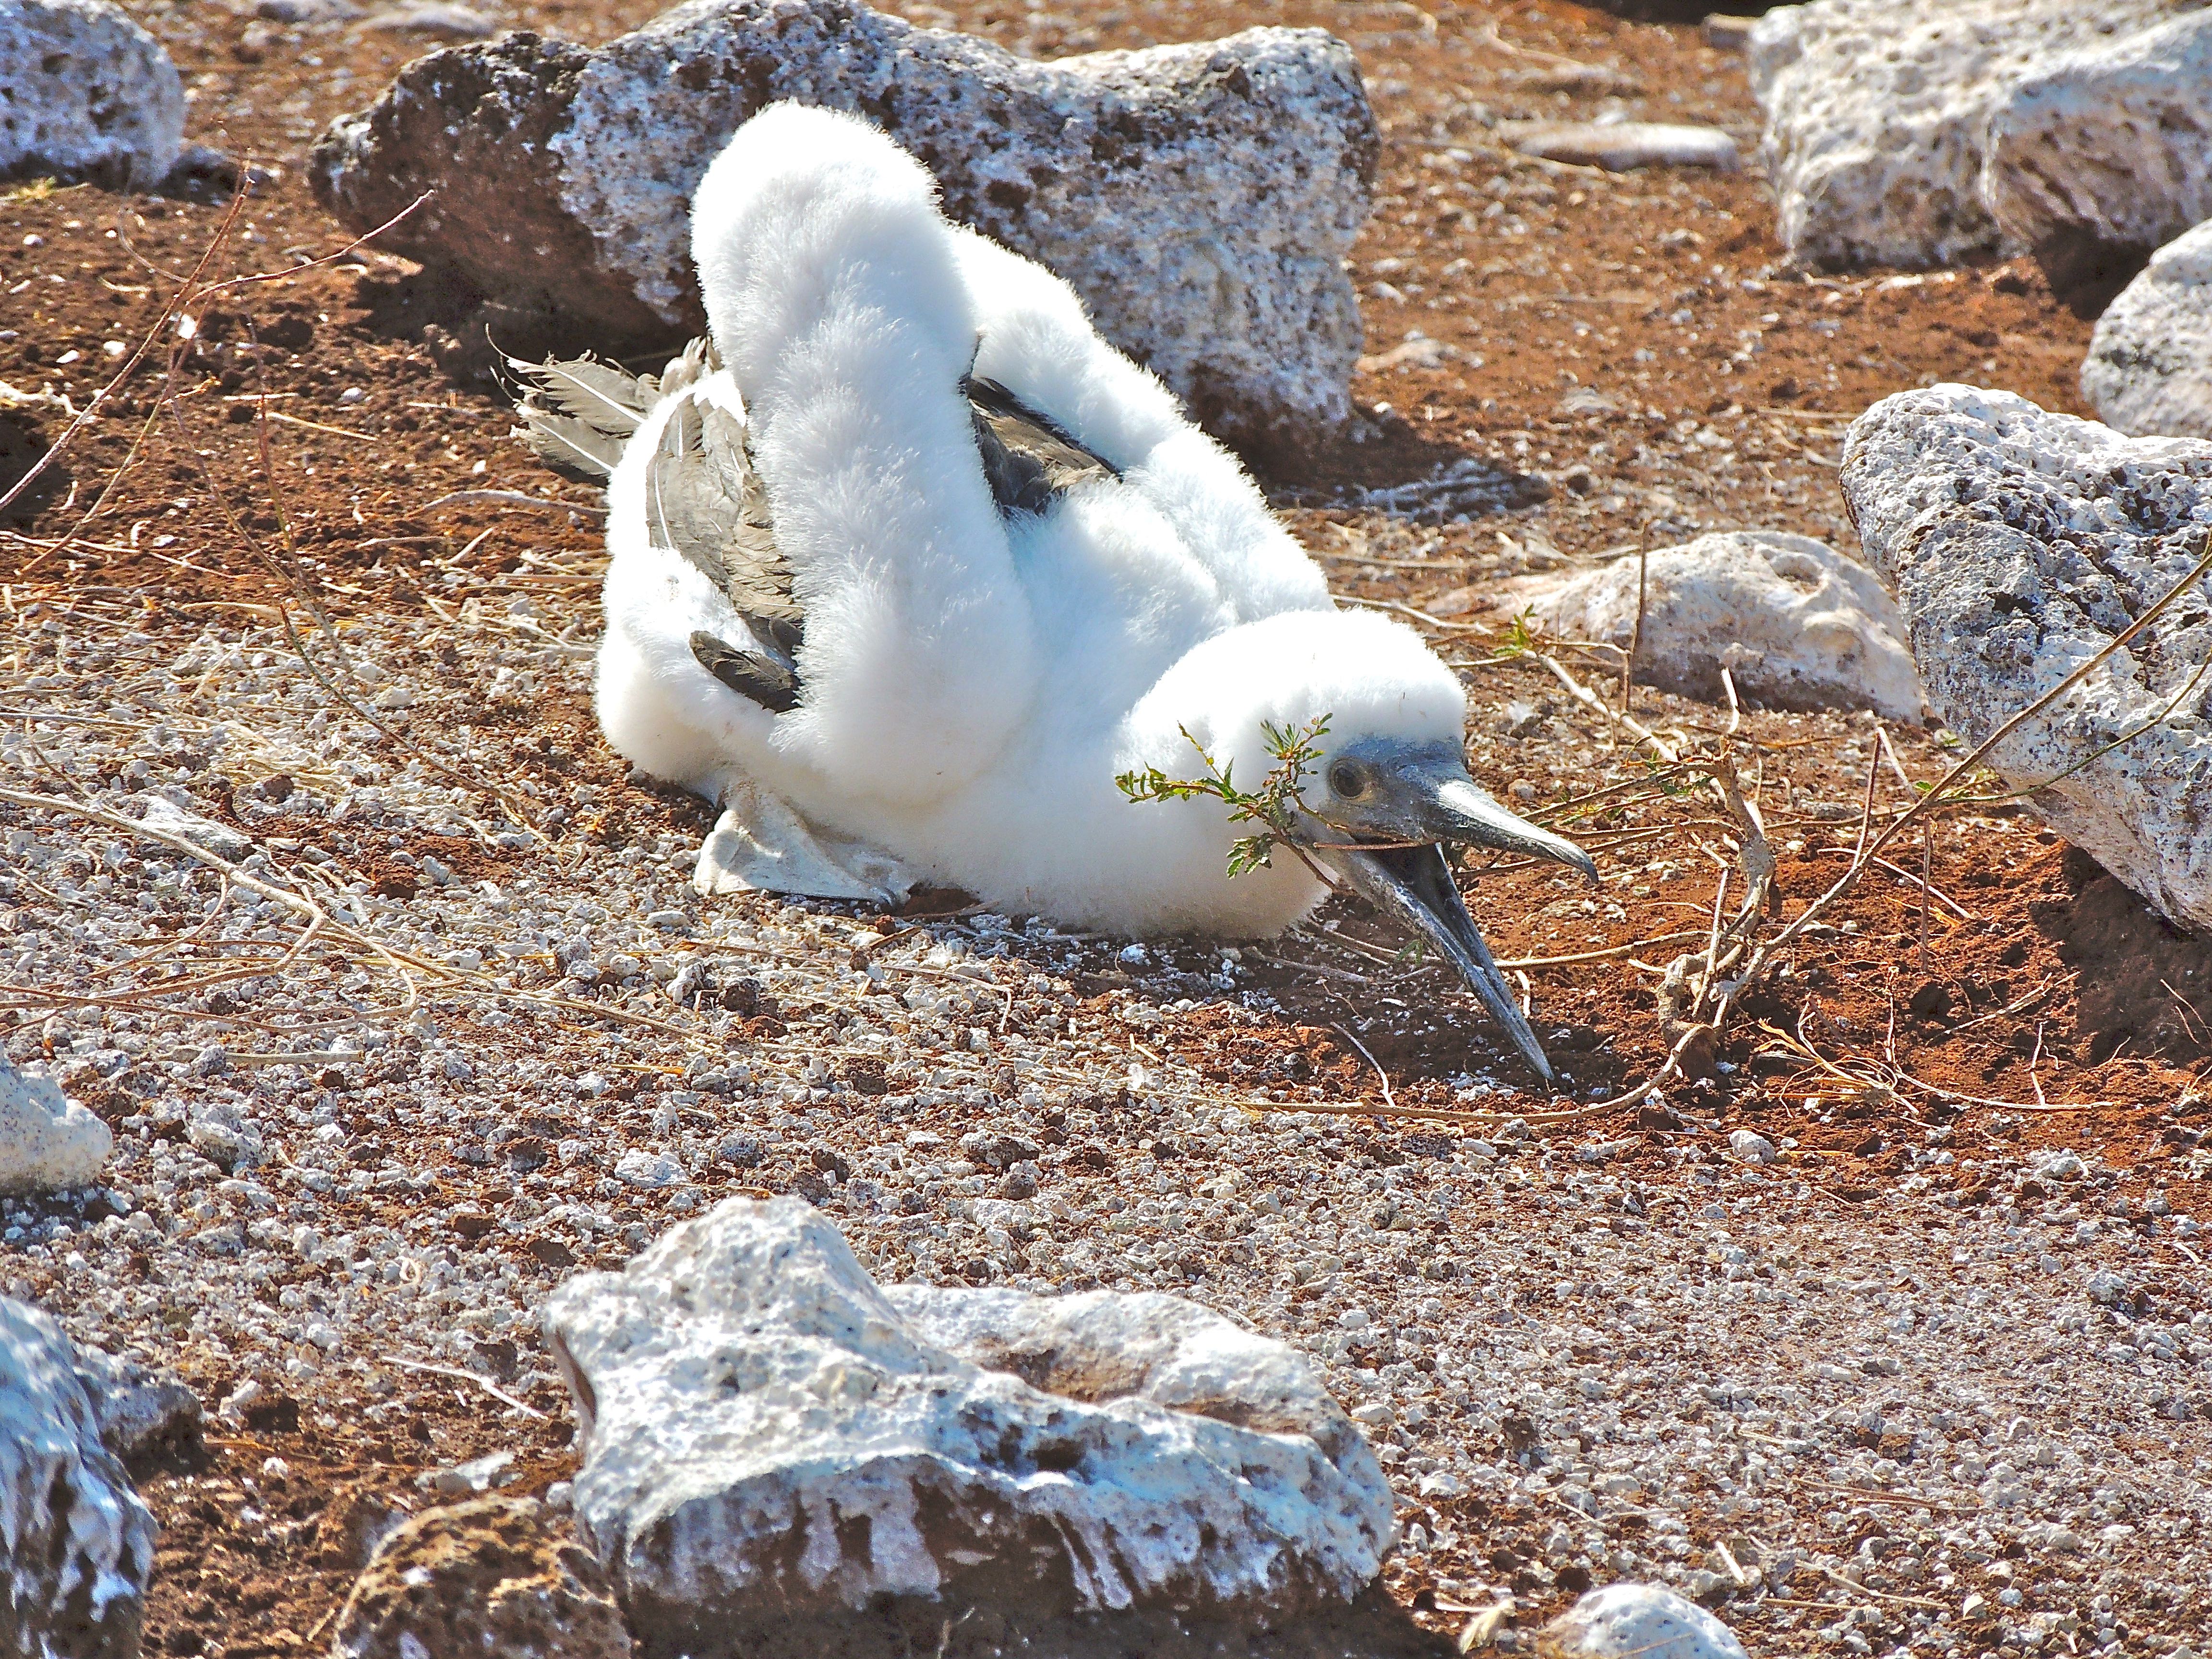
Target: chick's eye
point(1347, 780)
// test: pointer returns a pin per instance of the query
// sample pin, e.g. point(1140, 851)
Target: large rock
point(1636, 1621)
point(86, 93)
point(767, 1434)
point(490, 1576)
point(1201, 198)
point(147, 1415)
point(2106, 152)
point(1796, 624)
point(47, 1142)
point(2019, 544)
point(76, 1543)
point(1878, 116)
point(2149, 369)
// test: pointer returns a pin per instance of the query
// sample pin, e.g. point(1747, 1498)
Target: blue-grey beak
point(1383, 824)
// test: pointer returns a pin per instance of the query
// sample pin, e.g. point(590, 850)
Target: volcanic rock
point(86, 93)
point(46, 1142)
point(2105, 152)
point(2149, 369)
point(767, 1434)
point(2019, 543)
point(1640, 1619)
point(1878, 117)
point(1796, 624)
point(145, 1413)
point(78, 1540)
point(488, 1577)
point(1201, 198)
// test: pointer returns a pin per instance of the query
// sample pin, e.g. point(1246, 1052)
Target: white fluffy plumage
point(974, 682)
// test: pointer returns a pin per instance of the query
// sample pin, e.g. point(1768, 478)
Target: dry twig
point(1389, 1100)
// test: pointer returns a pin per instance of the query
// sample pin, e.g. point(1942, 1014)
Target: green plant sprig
point(1523, 635)
point(1294, 750)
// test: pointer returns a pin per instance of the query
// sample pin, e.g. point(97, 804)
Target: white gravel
point(1893, 1425)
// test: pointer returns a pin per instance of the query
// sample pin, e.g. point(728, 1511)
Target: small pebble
point(1752, 1147)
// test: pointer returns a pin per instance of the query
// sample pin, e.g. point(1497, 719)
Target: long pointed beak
point(1413, 885)
point(1426, 797)
point(1461, 812)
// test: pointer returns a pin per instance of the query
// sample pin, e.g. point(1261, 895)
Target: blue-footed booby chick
point(909, 566)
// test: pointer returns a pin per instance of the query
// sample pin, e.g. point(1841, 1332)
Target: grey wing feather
point(771, 683)
point(1030, 459)
point(704, 503)
point(577, 415)
point(704, 500)
point(699, 359)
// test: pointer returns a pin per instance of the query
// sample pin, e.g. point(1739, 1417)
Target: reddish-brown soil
point(308, 438)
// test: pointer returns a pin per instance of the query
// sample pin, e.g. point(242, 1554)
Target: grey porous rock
point(1795, 623)
point(2148, 372)
point(2105, 152)
point(767, 1434)
point(86, 93)
point(47, 1142)
point(491, 1577)
point(1636, 1621)
point(146, 1415)
point(76, 1543)
point(1200, 197)
point(1878, 117)
point(2019, 544)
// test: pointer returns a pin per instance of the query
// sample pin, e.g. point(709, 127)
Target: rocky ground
point(1887, 1335)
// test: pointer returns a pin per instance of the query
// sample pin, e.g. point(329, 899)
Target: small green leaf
point(1250, 853)
point(1294, 752)
point(1520, 639)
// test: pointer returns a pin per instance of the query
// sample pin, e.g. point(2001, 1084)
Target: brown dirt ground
point(2037, 980)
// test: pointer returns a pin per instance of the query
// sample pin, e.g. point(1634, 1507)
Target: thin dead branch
point(1389, 1100)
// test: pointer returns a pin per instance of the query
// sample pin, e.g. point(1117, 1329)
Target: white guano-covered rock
point(1796, 624)
point(86, 93)
point(47, 1142)
point(1636, 1621)
point(2019, 543)
point(1201, 198)
point(2148, 372)
point(2105, 152)
point(1878, 116)
point(767, 1434)
point(76, 1543)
